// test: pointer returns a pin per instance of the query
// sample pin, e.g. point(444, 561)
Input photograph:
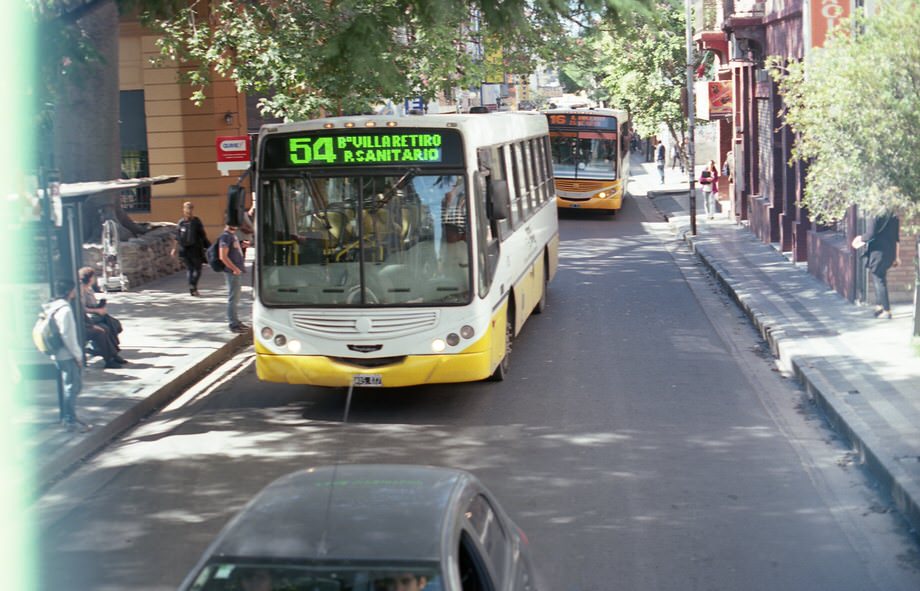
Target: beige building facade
point(175, 135)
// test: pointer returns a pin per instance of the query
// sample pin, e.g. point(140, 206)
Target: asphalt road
point(644, 441)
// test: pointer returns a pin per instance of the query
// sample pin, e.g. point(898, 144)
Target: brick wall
point(901, 279)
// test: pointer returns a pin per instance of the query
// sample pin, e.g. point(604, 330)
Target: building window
point(765, 146)
point(134, 158)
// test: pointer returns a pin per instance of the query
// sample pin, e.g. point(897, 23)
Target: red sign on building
point(233, 153)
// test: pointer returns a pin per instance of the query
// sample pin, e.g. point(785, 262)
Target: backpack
point(187, 233)
point(213, 255)
point(46, 334)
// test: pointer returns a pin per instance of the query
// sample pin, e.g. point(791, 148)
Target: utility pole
point(691, 115)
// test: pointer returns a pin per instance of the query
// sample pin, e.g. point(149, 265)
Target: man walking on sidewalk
point(231, 255)
point(69, 357)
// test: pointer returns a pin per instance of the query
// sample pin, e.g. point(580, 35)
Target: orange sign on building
point(714, 99)
point(825, 15)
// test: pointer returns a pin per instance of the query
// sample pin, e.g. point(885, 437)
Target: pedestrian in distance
point(231, 255)
point(191, 241)
point(68, 358)
point(883, 251)
point(677, 158)
point(660, 153)
point(709, 181)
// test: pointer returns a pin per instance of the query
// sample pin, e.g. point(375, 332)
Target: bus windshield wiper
point(391, 192)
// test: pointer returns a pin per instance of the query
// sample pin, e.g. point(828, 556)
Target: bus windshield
point(364, 240)
point(584, 154)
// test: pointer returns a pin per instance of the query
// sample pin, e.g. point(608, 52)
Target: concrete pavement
point(171, 340)
point(862, 372)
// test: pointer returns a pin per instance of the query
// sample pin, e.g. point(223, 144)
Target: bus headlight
point(466, 331)
point(453, 339)
point(280, 340)
point(438, 345)
point(294, 346)
point(602, 195)
point(267, 333)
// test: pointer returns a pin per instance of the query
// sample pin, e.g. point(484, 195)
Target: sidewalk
point(171, 340)
point(861, 371)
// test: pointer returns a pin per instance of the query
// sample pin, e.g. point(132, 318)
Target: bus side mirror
point(236, 200)
point(498, 199)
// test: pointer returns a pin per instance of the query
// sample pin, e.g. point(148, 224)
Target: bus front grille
point(358, 323)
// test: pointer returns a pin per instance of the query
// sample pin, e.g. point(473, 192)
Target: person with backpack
point(192, 242)
point(230, 254)
point(66, 351)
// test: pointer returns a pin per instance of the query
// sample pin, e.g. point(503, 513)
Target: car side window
point(473, 573)
point(489, 531)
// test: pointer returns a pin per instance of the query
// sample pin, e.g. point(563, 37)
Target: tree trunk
point(87, 146)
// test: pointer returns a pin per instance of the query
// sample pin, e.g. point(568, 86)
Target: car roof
point(349, 512)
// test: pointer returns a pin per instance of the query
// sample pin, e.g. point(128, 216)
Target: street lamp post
point(691, 115)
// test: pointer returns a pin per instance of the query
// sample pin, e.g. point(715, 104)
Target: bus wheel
point(541, 305)
point(505, 364)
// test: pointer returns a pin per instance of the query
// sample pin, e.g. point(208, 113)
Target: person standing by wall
point(660, 154)
point(192, 241)
point(883, 251)
point(231, 255)
point(709, 181)
point(69, 357)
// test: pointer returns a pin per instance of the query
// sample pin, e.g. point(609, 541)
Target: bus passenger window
point(513, 192)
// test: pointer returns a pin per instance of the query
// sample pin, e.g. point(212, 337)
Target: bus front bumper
point(605, 204)
point(411, 370)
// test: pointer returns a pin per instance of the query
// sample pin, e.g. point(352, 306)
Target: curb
point(905, 493)
point(68, 458)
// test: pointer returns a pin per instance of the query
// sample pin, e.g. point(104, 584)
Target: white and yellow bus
point(590, 157)
point(400, 251)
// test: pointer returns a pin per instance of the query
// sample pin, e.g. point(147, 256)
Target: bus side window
point(489, 246)
point(527, 155)
point(520, 182)
point(513, 192)
point(536, 149)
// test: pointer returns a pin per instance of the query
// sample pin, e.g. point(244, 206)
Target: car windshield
point(364, 240)
point(278, 577)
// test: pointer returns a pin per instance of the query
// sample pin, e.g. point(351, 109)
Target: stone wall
point(142, 259)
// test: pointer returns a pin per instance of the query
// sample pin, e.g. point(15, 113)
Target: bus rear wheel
point(541, 305)
point(501, 372)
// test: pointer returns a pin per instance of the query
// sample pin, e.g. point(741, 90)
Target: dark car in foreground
point(368, 528)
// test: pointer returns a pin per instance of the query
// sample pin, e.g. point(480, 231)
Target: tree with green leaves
point(308, 56)
point(854, 108)
point(343, 56)
point(643, 61)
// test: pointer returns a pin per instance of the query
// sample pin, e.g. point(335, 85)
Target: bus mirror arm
point(498, 199)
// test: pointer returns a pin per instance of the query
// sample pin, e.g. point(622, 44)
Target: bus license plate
point(369, 380)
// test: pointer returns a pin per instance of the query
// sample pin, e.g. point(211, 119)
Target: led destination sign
point(369, 148)
point(582, 121)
